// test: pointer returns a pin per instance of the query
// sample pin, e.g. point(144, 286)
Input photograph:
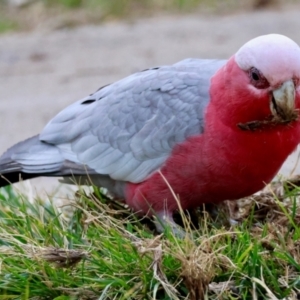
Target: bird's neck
point(232, 101)
point(234, 123)
point(253, 155)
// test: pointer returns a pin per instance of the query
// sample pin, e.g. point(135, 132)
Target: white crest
point(275, 55)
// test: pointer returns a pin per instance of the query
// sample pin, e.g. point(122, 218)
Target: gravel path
point(43, 71)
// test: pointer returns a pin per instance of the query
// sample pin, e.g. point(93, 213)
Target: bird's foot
point(164, 221)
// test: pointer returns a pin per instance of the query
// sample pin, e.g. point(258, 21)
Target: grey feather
point(125, 130)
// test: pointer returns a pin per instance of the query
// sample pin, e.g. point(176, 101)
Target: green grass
point(96, 249)
point(123, 6)
point(7, 25)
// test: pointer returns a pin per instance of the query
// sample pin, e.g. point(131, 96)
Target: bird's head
point(260, 85)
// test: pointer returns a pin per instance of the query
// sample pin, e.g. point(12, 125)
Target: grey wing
point(128, 129)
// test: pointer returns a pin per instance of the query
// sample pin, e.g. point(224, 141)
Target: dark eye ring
point(257, 79)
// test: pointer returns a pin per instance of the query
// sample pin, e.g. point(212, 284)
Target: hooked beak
point(282, 103)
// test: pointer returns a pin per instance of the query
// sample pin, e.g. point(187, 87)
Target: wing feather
point(128, 129)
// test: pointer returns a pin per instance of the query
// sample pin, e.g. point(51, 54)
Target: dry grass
point(102, 251)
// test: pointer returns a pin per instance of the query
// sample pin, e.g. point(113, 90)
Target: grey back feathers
point(125, 130)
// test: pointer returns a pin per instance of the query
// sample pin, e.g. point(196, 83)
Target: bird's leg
point(164, 219)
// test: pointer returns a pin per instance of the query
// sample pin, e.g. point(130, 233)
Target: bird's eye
point(257, 79)
point(255, 74)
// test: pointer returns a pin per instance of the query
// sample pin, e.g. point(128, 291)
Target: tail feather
point(33, 158)
point(9, 178)
point(28, 159)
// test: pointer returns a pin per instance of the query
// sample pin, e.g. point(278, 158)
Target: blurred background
point(54, 52)
point(57, 14)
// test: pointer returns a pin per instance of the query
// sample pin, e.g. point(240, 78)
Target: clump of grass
point(102, 251)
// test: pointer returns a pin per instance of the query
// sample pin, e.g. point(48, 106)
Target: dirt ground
point(43, 71)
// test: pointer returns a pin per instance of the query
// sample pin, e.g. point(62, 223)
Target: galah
point(199, 131)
